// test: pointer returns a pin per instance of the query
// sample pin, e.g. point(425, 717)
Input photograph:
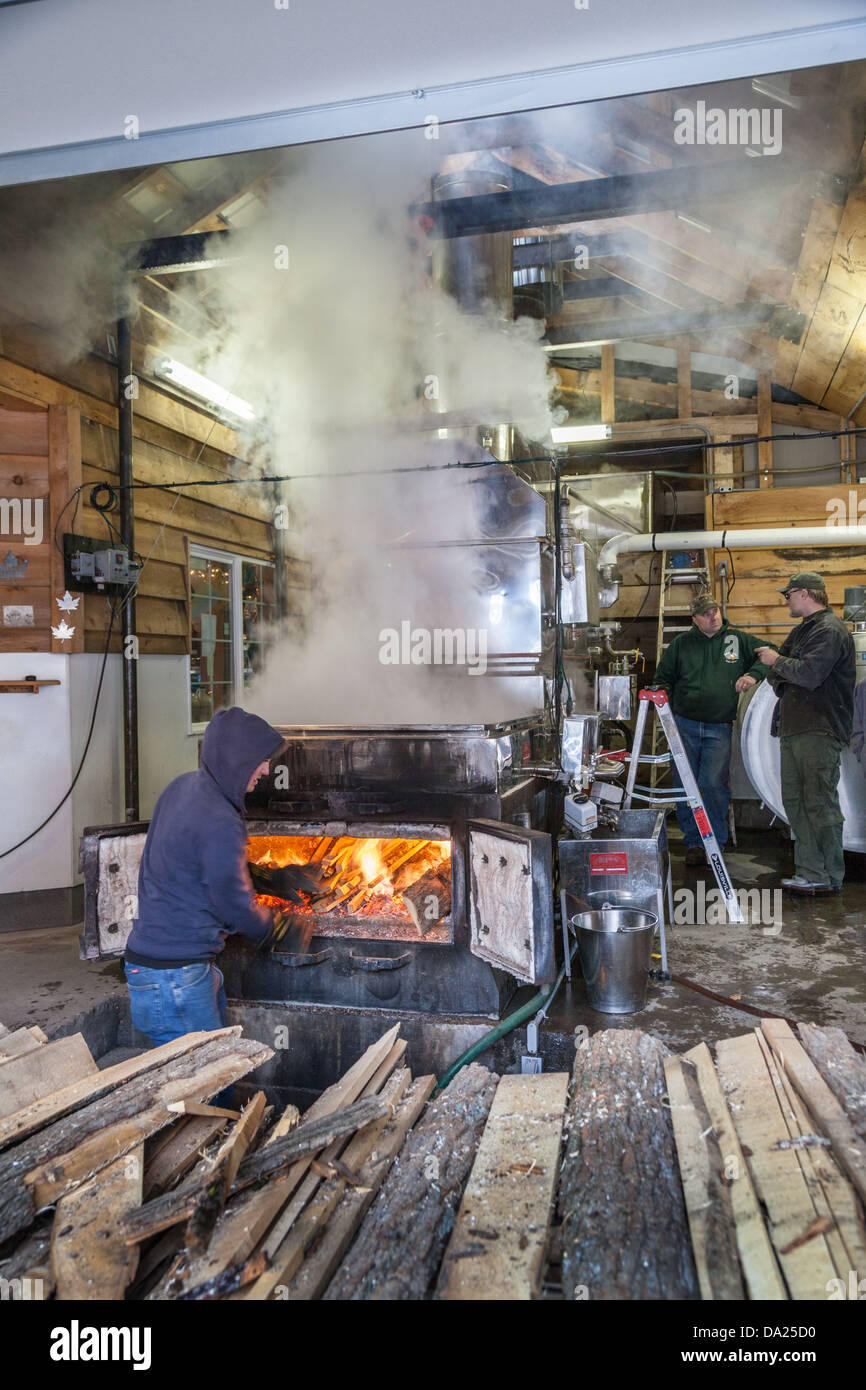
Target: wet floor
point(800, 957)
point(805, 958)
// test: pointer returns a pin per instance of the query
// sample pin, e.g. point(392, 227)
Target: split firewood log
point(428, 899)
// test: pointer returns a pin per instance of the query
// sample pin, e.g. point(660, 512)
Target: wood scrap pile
point(644, 1176)
point(773, 1161)
point(129, 1183)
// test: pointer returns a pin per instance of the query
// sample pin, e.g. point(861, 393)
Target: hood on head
point(234, 744)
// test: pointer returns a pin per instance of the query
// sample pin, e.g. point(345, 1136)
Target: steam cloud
point(335, 353)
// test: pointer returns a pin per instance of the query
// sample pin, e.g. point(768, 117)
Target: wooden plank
point(789, 506)
point(201, 519)
point(47, 1068)
point(59, 1121)
point(87, 1146)
point(267, 1165)
point(779, 565)
point(818, 242)
point(151, 406)
point(243, 1226)
point(842, 1068)
point(322, 1262)
point(761, 594)
point(20, 1042)
point(684, 378)
point(154, 617)
point(64, 473)
point(221, 1175)
point(194, 1107)
point(291, 1211)
point(176, 1156)
point(834, 1199)
point(850, 1151)
point(24, 432)
point(723, 460)
point(155, 464)
point(708, 1201)
point(398, 1249)
point(834, 319)
point(608, 384)
point(758, 1261)
point(811, 417)
point(498, 1245)
point(24, 475)
point(624, 1225)
point(88, 1256)
point(776, 1172)
point(315, 1199)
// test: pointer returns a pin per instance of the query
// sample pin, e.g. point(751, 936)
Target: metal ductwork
point(477, 272)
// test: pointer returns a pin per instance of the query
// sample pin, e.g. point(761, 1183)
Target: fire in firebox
point(397, 888)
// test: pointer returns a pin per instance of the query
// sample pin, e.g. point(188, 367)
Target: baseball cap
point(807, 579)
point(702, 604)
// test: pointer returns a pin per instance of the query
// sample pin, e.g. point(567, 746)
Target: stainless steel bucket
point(615, 945)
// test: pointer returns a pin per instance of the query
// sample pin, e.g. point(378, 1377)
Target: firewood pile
point(643, 1175)
point(685, 1179)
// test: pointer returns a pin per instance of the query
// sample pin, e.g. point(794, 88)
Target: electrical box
point(92, 567)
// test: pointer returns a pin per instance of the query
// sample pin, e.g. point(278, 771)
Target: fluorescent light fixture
point(578, 434)
point(777, 91)
point(694, 222)
point(636, 151)
point(199, 385)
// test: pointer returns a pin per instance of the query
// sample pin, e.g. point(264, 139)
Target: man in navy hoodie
point(194, 885)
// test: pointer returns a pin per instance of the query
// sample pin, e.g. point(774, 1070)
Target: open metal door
point(109, 857)
point(511, 899)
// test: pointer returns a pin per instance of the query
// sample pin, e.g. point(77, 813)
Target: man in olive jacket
point(813, 675)
point(704, 670)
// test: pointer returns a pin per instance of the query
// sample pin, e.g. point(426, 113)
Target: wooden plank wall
point(24, 470)
point(760, 573)
point(42, 443)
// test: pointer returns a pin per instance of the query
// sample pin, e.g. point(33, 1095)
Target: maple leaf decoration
point(63, 632)
point(67, 604)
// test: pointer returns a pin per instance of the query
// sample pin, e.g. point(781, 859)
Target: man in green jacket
point(703, 671)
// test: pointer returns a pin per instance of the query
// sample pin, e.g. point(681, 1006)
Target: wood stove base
point(404, 976)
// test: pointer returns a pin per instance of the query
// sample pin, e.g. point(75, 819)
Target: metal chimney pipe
point(127, 536)
point(476, 271)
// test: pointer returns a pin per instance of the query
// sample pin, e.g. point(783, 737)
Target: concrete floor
point(810, 966)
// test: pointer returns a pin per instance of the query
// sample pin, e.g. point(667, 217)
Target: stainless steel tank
point(760, 753)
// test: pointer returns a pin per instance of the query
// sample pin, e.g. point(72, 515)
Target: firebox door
point(511, 899)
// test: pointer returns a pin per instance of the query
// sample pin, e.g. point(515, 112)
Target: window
point(233, 603)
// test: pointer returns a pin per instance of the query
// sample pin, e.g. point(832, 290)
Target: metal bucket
point(615, 945)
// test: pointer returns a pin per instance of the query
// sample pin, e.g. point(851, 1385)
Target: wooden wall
point(54, 435)
point(760, 573)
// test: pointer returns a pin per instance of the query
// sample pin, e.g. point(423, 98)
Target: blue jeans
point(165, 1004)
point(708, 747)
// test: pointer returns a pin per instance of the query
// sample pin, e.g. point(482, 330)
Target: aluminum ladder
point(690, 792)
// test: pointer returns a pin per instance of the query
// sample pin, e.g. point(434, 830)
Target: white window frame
point(235, 560)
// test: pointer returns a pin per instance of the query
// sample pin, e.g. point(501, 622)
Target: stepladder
point(690, 794)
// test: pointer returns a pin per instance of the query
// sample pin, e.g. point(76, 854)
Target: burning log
point(428, 899)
